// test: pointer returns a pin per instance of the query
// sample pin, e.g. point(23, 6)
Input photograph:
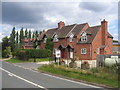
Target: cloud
point(94, 6)
point(44, 15)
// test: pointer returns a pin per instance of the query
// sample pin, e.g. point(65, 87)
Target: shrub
point(6, 53)
point(26, 54)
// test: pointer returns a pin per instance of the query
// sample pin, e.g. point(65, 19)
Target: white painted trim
point(71, 30)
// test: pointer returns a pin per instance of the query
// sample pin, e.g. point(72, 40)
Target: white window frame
point(98, 50)
point(55, 39)
point(45, 39)
point(83, 37)
point(83, 51)
point(71, 38)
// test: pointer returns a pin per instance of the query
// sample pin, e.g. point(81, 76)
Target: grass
point(86, 75)
point(13, 60)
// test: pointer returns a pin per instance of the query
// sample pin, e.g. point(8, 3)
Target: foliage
point(14, 60)
point(17, 41)
point(33, 35)
point(49, 44)
point(100, 78)
point(29, 34)
point(26, 33)
point(6, 53)
point(5, 43)
point(36, 33)
point(26, 54)
point(12, 39)
point(21, 35)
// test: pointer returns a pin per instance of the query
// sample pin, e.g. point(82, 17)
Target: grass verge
point(85, 75)
point(13, 60)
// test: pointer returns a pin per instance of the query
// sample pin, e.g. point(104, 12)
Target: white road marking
point(65, 79)
point(10, 74)
point(71, 81)
point(23, 79)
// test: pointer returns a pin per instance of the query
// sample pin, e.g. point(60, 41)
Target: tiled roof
point(29, 39)
point(78, 28)
point(49, 33)
point(41, 36)
point(64, 31)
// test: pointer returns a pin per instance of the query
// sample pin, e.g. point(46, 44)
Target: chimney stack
point(104, 25)
point(61, 24)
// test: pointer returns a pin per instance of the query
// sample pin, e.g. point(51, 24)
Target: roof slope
point(64, 31)
point(50, 32)
point(78, 28)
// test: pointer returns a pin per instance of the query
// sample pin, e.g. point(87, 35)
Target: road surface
point(18, 77)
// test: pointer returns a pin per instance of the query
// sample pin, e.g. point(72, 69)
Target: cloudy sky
point(45, 15)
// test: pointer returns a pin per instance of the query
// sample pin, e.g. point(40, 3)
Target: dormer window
point(55, 39)
point(71, 38)
point(84, 37)
point(45, 39)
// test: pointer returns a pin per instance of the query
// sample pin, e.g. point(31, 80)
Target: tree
point(21, 35)
point(17, 41)
point(5, 43)
point(29, 34)
point(12, 39)
point(49, 44)
point(40, 32)
point(26, 33)
point(33, 35)
point(36, 34)
point(7, 52)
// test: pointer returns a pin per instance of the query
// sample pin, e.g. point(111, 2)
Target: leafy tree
point(7, 52)
point(33, 35)
point(49, 44)
point(29, 34)
point(12, 39)
point(40, 32)
point(5, 43)
point(26, 33)
point(21, 35)
point(36, 34)
point(17, 35)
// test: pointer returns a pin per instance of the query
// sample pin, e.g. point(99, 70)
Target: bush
point(6, 53)
point(26, 54)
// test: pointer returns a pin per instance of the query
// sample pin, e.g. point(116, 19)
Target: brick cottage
point(79, 41)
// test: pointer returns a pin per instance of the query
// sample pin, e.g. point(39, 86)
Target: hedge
point(26, 54)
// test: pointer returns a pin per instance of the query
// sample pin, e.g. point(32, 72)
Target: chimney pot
point(61, 24)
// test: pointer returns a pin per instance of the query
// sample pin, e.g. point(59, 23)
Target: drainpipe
point(91, 52)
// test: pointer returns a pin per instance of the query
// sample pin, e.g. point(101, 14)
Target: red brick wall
point(109, 46)
point(97, 42)
point(78, 51)
point(42, 45)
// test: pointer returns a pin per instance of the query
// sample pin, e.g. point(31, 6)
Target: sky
point(39, 15)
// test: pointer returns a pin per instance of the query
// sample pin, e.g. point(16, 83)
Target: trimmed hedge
point(26, 54)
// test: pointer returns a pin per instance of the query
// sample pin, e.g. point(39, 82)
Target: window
point(55, 39)
point(98, 51)
point(83, 51)
point(83, 37)
point(45, 39)
point(72, 38)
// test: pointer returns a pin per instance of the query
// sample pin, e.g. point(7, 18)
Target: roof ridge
point(95, 26)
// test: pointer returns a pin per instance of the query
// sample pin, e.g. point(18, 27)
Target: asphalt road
point(18, 77)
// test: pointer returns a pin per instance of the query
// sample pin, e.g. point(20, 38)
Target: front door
point(71, 53)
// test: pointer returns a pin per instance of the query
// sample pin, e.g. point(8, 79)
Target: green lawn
point(13, 60)
point(86, 75)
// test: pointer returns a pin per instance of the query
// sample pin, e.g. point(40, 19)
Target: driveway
point(28, 65)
